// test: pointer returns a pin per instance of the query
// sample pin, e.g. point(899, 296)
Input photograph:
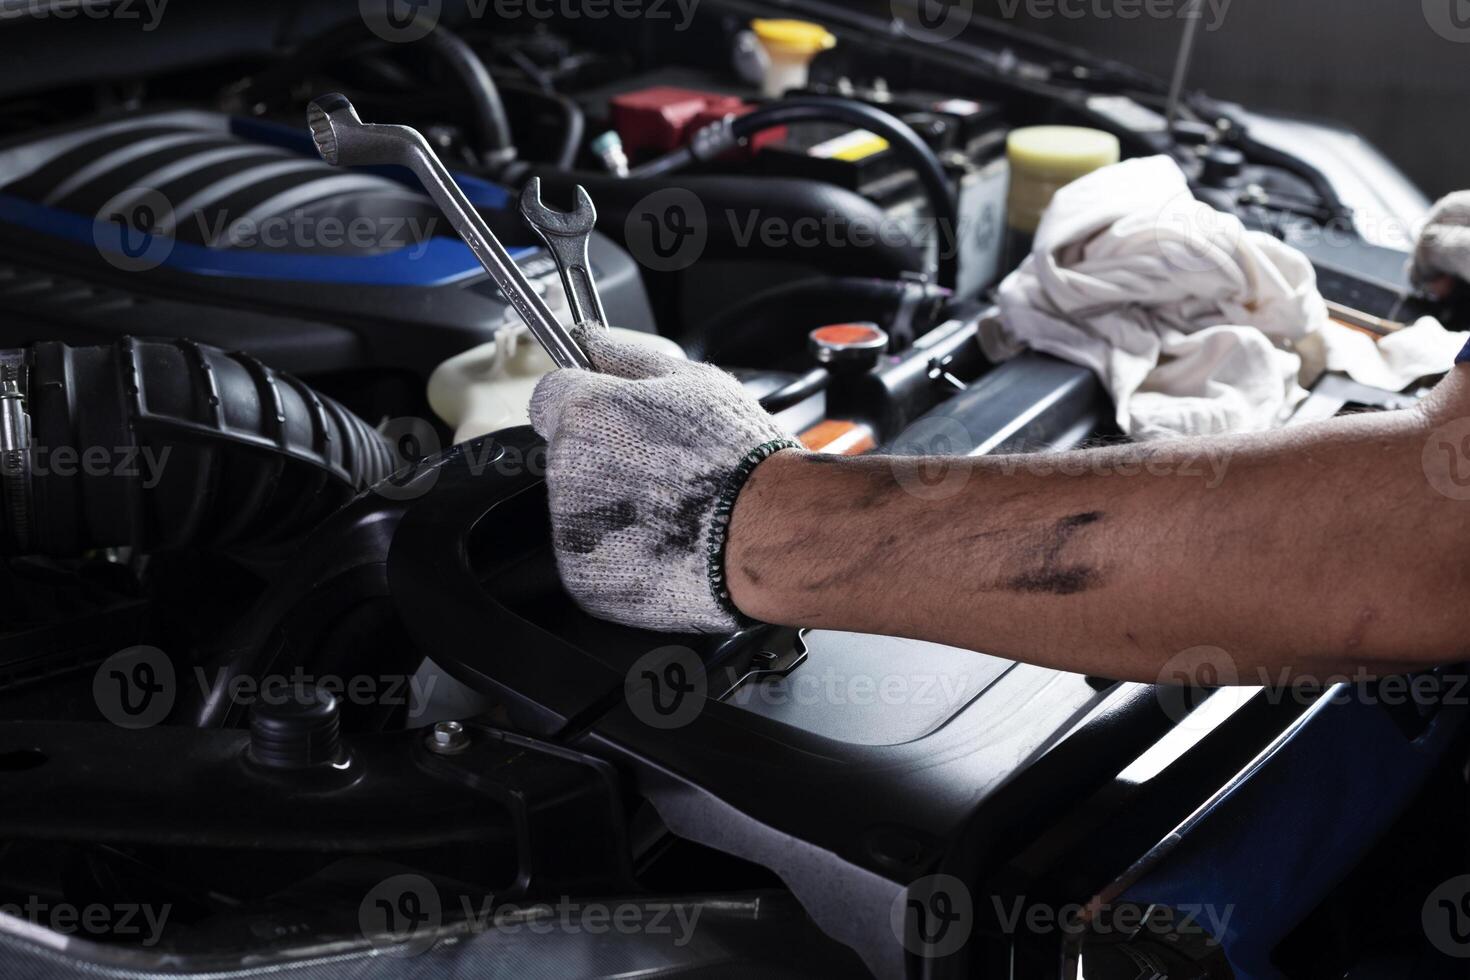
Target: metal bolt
point(448, 737)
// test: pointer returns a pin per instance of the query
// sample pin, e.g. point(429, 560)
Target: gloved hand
point(1443, 248)
point(645, 459)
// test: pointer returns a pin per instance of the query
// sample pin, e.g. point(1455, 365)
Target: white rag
point(1190, 320)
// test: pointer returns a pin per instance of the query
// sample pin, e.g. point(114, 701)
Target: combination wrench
point(344, 140)
point(566, 234)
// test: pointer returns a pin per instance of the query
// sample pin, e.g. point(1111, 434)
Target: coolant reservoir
point(1045, 158)
point(489, 387)
point(790, 46)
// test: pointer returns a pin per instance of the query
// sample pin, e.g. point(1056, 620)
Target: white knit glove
point(645, 459)
point(1443, 248)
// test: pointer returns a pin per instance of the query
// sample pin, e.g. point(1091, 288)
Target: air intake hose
point(160, 444)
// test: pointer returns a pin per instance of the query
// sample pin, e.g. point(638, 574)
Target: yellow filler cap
point(1043, 159)
point(1060, 152)
point(798, 37)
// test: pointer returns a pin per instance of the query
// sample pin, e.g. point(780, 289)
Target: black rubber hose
point(574, 120)
point(899, 134)
point(160, 444)
point(494, 143)
point(727, 211)
point(796, 390)
point(493, 138)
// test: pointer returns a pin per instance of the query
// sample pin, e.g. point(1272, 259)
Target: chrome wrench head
point(576, 223)
point(343, 139)
point(566, 234)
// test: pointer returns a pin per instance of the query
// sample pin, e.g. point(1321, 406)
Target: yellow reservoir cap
point(798, 37)
point(1060, 152)
point(1043, 159)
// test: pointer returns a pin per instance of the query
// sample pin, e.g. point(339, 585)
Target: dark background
point(1377, 66)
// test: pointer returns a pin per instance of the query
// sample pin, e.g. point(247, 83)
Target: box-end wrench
point(566, 234)
point(343, 139)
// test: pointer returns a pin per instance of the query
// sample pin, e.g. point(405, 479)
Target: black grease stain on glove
point(644, 460)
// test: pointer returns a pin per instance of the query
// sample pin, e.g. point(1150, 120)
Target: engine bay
point(265, 425)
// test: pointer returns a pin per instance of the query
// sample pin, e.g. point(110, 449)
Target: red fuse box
point(653, 121)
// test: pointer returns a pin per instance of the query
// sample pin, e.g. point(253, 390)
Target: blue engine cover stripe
point(437, 262)
point(481, 193)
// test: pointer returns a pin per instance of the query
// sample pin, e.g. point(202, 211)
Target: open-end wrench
point(565, 234)
point(345, 140)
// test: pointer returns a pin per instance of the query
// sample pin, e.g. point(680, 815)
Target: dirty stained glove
point(645, 459)
point(1443, 248)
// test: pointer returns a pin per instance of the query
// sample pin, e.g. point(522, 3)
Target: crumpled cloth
point(1191, 321)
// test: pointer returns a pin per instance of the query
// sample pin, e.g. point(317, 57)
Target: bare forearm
point(1318, 549)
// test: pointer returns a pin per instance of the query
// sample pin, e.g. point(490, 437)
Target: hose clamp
point(15, 461)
